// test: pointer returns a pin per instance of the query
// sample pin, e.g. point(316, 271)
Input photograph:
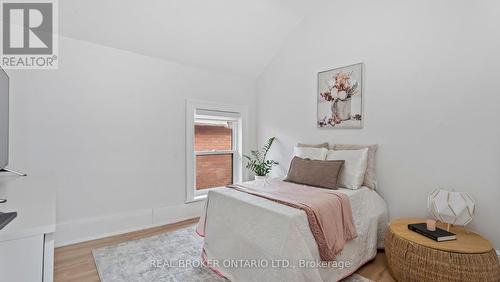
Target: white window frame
point(238, 140)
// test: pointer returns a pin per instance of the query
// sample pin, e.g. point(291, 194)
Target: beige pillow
point(322, 145)
point(370, 176)
point(310, 153)
point(316, 173)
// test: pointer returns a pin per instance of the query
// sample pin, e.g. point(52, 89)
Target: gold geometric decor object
point(455, 208)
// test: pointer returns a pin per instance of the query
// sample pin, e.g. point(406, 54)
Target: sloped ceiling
point(233, 36)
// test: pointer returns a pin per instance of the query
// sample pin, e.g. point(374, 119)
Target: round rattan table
point(413, 257)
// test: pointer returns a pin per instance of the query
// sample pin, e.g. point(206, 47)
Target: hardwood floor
point(75, 262)
point(376, 270)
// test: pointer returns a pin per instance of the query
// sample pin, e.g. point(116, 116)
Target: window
point(214, 147)
point(214, 151)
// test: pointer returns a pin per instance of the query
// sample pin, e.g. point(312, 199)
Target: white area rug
point(172, 256)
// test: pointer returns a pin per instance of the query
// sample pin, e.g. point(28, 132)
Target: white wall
point(431, 96)
point(111, 125)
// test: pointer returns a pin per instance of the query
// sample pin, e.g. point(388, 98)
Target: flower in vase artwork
point(340, 97)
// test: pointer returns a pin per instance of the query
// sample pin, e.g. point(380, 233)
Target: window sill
point(197, 199)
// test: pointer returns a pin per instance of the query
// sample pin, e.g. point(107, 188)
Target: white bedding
point(248, 238)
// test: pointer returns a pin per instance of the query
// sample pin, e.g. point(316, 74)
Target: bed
point(249, 238)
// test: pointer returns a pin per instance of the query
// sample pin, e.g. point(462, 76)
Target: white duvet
point(248, 238)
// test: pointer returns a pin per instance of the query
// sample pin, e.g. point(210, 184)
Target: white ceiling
point(233, 36)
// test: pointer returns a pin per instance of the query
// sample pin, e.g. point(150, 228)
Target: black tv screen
point(4, 119)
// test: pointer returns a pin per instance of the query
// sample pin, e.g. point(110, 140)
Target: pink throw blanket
point(328, 212)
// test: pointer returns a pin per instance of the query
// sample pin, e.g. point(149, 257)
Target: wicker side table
point(413, 257)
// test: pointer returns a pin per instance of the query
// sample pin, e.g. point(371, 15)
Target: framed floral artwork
point(340, 97)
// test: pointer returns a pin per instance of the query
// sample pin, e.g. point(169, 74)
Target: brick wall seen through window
point(213, 170)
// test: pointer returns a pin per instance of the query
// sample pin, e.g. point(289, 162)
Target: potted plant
point(258, 162)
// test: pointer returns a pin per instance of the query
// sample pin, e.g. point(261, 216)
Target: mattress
point(249, 238)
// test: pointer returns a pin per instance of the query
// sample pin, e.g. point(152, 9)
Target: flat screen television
point(4, 119)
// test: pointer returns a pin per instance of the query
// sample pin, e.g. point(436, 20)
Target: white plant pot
point(260, 178)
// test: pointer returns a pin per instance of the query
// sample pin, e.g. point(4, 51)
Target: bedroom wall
point(431, 96)
point(110, 124)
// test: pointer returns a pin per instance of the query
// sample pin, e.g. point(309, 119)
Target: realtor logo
point(29, 39)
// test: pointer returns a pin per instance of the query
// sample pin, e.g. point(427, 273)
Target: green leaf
point(257, 162)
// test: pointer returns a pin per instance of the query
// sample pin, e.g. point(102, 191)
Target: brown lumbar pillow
point(322, 145)
point(317, 173)
point(370, 176)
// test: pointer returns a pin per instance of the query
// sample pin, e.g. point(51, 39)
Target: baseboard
point(172, 214)
point(77, 231)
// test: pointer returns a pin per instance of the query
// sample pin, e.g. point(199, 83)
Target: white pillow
point(353, 173)
point(310, 153)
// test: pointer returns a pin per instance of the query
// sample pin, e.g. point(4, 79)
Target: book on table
point(439, 235)
point(6, 217)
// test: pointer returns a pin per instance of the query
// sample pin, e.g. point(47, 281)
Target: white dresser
point(27, 242)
